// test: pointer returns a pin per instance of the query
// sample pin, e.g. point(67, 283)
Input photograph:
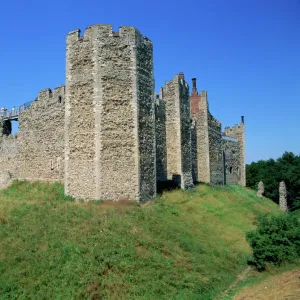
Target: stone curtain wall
point(110, 147)
point(232, 161)
point(9, 156)
point(238, 132)
point(41, 137)
point(36, 152)
point(215, 150)
point(161, 149)
point(178, 131)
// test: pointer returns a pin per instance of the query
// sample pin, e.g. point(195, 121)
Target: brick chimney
point(194, 91)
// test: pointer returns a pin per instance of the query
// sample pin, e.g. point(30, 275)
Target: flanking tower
point(178, 131)
point(109, 118)
point(238, 132)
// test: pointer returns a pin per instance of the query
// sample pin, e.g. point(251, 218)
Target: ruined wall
point(161, 149)
point(238, 132)
point(232, 164)
point(36, 152)
point(178, 131)
point(110, 125)
point(215, 150)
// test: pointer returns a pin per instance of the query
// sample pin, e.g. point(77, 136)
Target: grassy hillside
point(183, 245)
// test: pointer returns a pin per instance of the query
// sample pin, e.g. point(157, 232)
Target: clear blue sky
point(246, 53)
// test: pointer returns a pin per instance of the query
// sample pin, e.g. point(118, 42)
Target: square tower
point(178, 131)
point(238, 132)
point(109, 118)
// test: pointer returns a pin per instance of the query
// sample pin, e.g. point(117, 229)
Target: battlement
point(127, 34)
point(55, 95)
point(178, 78)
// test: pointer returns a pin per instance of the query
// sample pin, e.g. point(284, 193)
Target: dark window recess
point(59, 99)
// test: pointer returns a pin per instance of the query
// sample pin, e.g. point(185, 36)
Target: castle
point(106, 135)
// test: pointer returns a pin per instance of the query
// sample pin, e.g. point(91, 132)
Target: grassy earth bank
point(183, 245)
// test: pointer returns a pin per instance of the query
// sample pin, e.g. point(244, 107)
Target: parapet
point(48, 97)
point(100, 31)
point(236, 129)
point(48, 94)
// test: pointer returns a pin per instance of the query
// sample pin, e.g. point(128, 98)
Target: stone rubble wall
point(260, 189)
point(282, 196)
point(238, 132)
point(36, 152)
point(214, 159)
point(80, 131)
point(146, 119)
point(161, 148)
point(111, 145)
point(194, 146)
point(107, 136)
point(200, 137)
point(232, 166)
point(178, 131)
point(215, 150)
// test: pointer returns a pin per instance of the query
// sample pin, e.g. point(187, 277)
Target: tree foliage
point(276, 240)
point(272, 172)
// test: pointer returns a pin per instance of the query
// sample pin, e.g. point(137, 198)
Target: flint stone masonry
point(200, 142)
point(282, 196)
point(261, 189)
point(161, 149)
point(106, 135)
point(232, 161)
point(110, 118)
point(215, 150)
point(178, 131)
point(36, 152)
point(217, 157)
point(238, 132)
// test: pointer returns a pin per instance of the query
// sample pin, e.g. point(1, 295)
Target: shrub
point(276, 240)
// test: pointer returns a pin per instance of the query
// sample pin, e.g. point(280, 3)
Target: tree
point(272, 172)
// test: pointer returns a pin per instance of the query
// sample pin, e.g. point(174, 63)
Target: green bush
point(276, 240)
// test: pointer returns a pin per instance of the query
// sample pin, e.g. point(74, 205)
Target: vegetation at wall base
point(276, 240)
point(183, 245)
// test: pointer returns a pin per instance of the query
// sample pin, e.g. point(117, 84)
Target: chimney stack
point(194, 91)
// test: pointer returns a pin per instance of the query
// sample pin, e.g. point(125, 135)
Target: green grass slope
point(184, 245)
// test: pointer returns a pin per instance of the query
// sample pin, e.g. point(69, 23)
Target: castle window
point(230, 170)
point(51, 164)
point(59, 99)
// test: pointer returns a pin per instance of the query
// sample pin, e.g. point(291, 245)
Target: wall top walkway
point(13, 114)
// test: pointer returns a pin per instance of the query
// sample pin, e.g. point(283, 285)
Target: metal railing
point(229, 138)
point(14, 113)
